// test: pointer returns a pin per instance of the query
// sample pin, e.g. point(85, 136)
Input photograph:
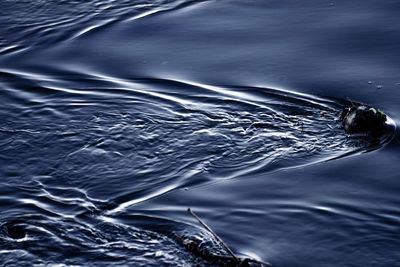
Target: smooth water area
point(117, 116)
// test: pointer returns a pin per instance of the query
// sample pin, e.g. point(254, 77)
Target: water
point(117, 116)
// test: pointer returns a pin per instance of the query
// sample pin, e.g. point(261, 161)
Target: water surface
point(117, 115)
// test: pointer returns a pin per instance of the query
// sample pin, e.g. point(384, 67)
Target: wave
point(133, 139)
point(78, 150)
point(29, 24)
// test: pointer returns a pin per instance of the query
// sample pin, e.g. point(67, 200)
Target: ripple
point(133, 139)
point(78, 145)
point(34, 23)
point(149, 241)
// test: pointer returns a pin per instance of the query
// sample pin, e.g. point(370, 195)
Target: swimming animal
point(362, 119)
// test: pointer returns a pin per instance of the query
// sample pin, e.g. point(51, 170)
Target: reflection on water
point(110, 128)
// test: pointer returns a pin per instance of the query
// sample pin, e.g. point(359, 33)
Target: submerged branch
point(214, 234)
point(232, 261)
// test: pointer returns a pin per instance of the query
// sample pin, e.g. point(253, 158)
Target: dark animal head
point(363, 119)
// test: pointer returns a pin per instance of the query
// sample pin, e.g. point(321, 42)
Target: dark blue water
point(116, 116)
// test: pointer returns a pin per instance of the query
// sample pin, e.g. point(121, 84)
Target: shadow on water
point(78, 151)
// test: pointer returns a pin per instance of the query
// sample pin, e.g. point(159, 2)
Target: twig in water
point(237, 261)
point(214, 234)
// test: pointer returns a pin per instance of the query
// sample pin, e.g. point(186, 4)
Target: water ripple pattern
point(77, 151)
point(26, 24)
point(112, 136)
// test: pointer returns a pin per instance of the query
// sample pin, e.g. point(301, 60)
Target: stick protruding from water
point(214, 234)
